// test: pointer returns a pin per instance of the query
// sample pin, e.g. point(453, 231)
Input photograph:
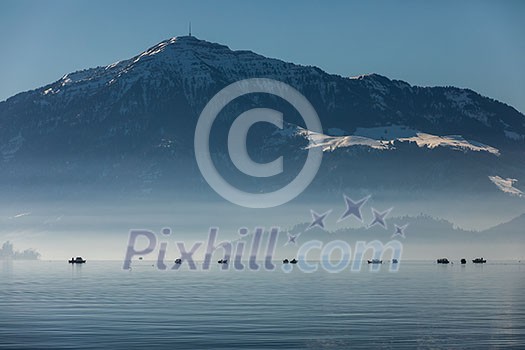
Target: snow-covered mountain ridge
point(135, 118)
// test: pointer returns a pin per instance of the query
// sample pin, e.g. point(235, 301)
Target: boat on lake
point(463, 261)
point(394, 261)
point(479, 261)
point(286, 261)
point(293, 261)
point(77, 260)
point(443, 261)
point(375, 261)
point(178, 261)
point(223, 261)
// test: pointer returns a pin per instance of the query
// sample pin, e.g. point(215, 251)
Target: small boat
point(479, 261)
point(443, 261)
point(293, 261)
point(178, 261)
point(394, 261)
point(375, 261)
point(463, 261)
point(77, 260)
point(285, 261)
point(223, 261)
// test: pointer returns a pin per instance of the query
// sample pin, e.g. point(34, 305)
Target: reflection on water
point(7, 267)
point(98, 305)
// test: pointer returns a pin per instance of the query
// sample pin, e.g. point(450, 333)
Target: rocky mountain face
point(129, 127)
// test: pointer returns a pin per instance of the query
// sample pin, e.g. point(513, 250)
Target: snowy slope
point(384, 138)
point(506, 185)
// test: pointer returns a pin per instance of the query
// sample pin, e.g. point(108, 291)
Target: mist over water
point(98, 228)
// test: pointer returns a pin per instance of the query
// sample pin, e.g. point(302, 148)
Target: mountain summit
point(132, 123)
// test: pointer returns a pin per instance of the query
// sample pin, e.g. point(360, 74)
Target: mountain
point(513, 227)
point(504, 241)
point(128, 128)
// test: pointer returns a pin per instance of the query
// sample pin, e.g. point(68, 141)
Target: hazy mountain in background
point(129, 127)
point(424, 237)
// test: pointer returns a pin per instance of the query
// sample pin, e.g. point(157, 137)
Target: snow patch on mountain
point(331, 143)
point(506, 185)
point(455, 142)
point(384, 137)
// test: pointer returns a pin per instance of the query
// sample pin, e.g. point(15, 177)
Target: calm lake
point(56, 305)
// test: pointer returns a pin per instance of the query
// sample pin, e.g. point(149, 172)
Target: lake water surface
point(55, 305)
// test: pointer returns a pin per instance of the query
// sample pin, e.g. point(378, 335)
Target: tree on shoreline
point(8, 252)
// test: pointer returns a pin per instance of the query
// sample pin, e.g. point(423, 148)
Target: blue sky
point(474, 44)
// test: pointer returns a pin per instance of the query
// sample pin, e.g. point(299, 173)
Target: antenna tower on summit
point(189, 31)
